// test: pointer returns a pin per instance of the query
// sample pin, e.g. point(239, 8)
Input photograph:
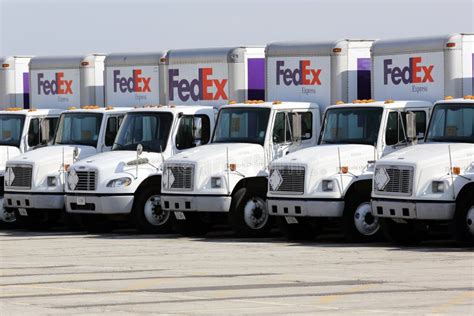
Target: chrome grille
point(401, 180)
point(179, 177)
point(86, 180)
point(291, 179)
point(22, 176)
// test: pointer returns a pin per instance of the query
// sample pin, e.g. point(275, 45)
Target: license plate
point(23, 212)
point(291, 220)
point(81, 200)
point(179, 216)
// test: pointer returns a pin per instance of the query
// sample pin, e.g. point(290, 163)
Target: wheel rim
point(154, 214)
point(364, 221)
point(255, 213)
point(8, 217)
point(470, 220)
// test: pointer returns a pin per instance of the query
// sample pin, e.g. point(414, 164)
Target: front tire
point(148, 216)
point(359, 225)
point(464, 221)
point(249, 216)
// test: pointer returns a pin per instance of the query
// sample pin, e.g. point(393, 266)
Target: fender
point(360, 188)
point(150, 181)
point(258, 184)
point(466, 191)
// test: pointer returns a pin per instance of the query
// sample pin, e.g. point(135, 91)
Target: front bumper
point(99, 204)
point(196, 203)
point(391, 208)
point(305, 207)
point(40, 201)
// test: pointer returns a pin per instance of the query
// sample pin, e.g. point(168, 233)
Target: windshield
point(151, 130)
point(241, 125)
point(78, 129)
point(351, 126)
point(11, 127)
point(453, 122)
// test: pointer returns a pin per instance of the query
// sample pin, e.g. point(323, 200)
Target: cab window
point(34, 133)
point(396, 126)
point(111, 130)
point(188, 124)
point(284, 125)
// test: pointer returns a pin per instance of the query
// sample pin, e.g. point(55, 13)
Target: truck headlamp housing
point(328, 185)
point(437, 186)
point(52, 181)
point(216, 182)
point(120, 182)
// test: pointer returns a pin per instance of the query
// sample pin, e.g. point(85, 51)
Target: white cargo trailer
point(14, 82)
point(428, 187)
point(64, 81)
point(215, 76)
point(134, 79)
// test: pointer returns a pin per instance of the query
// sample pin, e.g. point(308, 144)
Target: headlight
point(216, 182)
point(328, 185)
point(437, 186)
point(52, 181)
point(120, 182)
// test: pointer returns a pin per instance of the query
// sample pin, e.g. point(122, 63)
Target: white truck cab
point(34, 181)
point(430, 185)
point(229, 176)
point(126, 181)
point(333, 180)
point(21, 131)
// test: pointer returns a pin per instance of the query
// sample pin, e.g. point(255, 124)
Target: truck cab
point(229, 176)
point(430, 186)
point(34, 181)
point(126, 181)
point(21, 131)
point(332, 181)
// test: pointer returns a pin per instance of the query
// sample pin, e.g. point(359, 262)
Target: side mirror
point(296, 131)
point(139, 149)
point(75, 153)
point(411, 126)
point(197, 130)
point(44, 132)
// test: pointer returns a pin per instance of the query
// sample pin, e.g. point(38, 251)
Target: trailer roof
point(207, 55)
point(311, 48)
point(53, 62)
point(132, 59)
point(417, 44)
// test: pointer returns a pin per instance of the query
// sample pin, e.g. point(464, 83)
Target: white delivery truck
point(65, 81)
point(229, 176)
point(35, 181)
point(15, 82)
point(215, 76)
point(127, 182)
point(429, 187)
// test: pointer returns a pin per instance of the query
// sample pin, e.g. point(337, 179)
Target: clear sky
point(52, 27)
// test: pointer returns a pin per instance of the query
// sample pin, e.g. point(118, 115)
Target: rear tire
point(307, 229)
point(401, 234)
point(194, 225)
point(249, 216)
point(358, 223)
point(464, 221)
point(96, 223)
point(147, 215)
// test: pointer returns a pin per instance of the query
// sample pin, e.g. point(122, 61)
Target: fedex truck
point(215, 76)
point(65, 81)
point(14, 82)
point(429, 187)
point(227, 180)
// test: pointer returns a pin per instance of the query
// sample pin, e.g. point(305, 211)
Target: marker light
point(71, 108)
point(448, 97)
point(232, 102)
point(276, 102)
point(457, 170)
point(109, 108)
point(85, 63)
point(232, 166)
point(337, 50)
point(450, 44)
point(5, 65)
point(469, 97)
point(32, 110)
point(163, 60)
point(344, 169)
point(389, 101)
point(339, 102)
point(66, 166)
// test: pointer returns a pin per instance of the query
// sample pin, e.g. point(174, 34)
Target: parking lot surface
point(120, 274)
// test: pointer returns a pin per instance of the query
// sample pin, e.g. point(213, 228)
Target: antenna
point(340, 168)
point(451, 170)
point(228, 170)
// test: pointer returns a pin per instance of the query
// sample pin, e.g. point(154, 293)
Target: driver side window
point(396, 126)
point(34, 133)
point(186, 135)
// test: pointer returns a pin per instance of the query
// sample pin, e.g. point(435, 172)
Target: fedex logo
point(135, 83)
point(304, 75)
point(198, 89)
point(55, 86)
point(415, 72)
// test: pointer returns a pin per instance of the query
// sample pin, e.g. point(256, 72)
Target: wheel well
point(150, 181)
point(257, 184)
point(465, 192)
point(362, 188)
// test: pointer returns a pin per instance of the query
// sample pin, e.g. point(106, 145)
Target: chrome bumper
point(196, 203)
point(305, 208)
point(97, 204)
point(413, 209)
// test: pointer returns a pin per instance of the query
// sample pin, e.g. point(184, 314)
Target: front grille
point(22, 176)
point(287, 179)
point(400, 180)
point(179, 177)
point(86, 180)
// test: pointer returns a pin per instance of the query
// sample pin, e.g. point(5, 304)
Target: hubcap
point(364, 221)
point(7, 217)
point(153, 212)
point(255, 213)
point(470, 220)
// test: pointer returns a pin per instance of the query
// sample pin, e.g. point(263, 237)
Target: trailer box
point(62, 82)
point(319, 72)
point(14, 82)
point(423, 68)
point(134, 79)
point(215, 76)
